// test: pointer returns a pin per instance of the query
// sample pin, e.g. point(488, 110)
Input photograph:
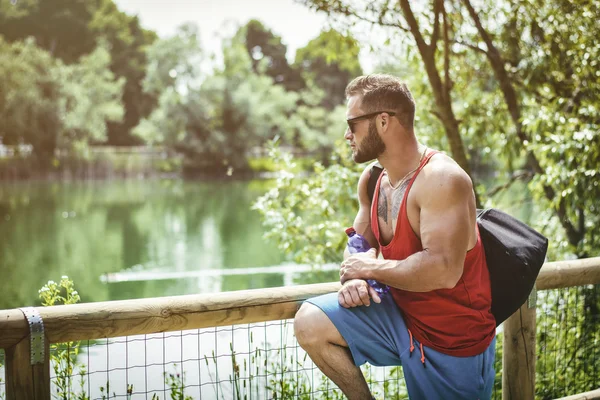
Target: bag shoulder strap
point(376, 170)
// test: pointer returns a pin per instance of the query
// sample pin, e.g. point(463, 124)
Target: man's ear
point(385, 122)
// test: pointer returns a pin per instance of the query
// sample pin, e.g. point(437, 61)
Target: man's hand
point(357, 292)
point(354, 267)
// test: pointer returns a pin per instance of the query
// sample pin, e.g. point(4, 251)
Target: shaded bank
point(113, 162)
point(92, 163)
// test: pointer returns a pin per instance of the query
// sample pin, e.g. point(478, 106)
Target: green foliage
point(166, 125)
point(330, 61)
point(570, 149)
point(306, 217)
point(216, 124)
point(316, 128)
point(174, 62)
point(268, 55)
point(90, 74)
point(92, 99)
point(262, 164)
point(53, 106)
point(63, 356)
point(568, 333)
point(73, 28)
point(172, 72)
point(558, 65)
point(30, 94)
point(241, 112)
point(64, 292)
point(61, 27)
point(175, 381)
point(128, 42)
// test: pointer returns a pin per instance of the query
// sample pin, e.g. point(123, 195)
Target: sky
point(295, 23)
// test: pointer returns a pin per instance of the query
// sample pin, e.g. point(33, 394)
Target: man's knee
point(312, 326)
point(305, 323)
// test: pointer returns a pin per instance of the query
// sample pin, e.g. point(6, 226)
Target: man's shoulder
point(442, 164)
point(442, 170)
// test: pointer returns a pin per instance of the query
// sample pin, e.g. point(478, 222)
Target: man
point(423, 220)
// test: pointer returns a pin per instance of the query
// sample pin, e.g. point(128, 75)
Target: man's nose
point(348, 134)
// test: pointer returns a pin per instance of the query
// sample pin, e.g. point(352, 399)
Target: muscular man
point(436, 321)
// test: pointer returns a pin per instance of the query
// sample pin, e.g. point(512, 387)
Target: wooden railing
point(77, 322)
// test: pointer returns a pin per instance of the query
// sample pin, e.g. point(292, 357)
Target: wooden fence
point(28, 378)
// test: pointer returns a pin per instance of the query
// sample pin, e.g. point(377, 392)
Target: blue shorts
point(378, 335)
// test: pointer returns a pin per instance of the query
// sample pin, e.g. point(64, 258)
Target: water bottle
point(358, 244)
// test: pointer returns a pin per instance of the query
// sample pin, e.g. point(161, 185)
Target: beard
point(371, 147)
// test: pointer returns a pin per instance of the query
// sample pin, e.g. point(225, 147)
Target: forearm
point(421, 272)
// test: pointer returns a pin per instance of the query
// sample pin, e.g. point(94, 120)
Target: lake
point(106, 235)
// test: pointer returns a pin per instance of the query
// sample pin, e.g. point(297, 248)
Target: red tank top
point(457, 321)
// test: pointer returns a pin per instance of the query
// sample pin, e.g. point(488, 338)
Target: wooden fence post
point(518, 357)
point(27, 377)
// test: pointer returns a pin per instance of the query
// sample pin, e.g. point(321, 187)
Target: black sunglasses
point(354, 120)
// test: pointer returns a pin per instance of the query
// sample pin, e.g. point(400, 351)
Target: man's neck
point(402, 161)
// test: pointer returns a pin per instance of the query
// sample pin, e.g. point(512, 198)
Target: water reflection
point(87, 229)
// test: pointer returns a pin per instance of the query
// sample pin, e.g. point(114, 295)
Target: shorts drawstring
point(412, 347)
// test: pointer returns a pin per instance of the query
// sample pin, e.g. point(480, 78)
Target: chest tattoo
point(397, 196)
point(382, 204)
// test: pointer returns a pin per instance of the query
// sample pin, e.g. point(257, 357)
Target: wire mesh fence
point(264, 361)
point(251, 361)
point(568, 341)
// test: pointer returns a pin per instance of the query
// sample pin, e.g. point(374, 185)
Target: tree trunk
point(441, 91)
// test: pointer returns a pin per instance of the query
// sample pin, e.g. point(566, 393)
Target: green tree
point(61, 27)
point(69, 29)
point(173, 72)
point(330, 61)
point(307, 217)
point(91, 101)
point(49, 105)
point(241, 110)
point(557, 73)
point(174, 62)
point(217, 123)
point(30, 94)
point(268, 55)
point(315, 128)
point(128, 42)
